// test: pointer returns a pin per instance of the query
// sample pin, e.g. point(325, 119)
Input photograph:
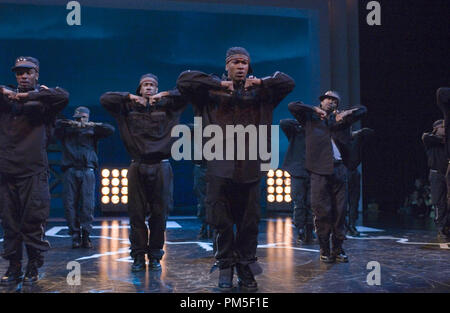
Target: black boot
point(203, 234)
point(337, 252)
point(32, 274)
point(139, 263)
point(325, 255)
point(86, 241)
point(13, 274)
point(76, 240)
point(442, 237)
point(309, 237)
point(246, 280)
point(352, 231)
point(210, 232)
point(300, 235)
point(447, 231)
point(154, 265)
point(226, 278)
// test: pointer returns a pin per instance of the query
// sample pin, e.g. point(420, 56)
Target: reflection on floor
point(409, 261)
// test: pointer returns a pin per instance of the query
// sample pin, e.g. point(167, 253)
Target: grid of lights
point(278, 186)
point(114, 188)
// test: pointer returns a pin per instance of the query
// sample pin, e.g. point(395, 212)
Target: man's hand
point(158, 97)
point(72, 123)
point(340, 116)
point(227, 84)
point(252, 81)
point(322, 114)
point(15, 96)
point(9, 93)
point(21, 96)
point(140, 100)
point(89, 124)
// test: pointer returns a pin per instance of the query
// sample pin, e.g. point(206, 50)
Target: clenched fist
point(252, 81)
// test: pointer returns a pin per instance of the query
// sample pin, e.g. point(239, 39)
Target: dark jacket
point(358, 139)
point(294, 160)
point(319, 150)
point(443, 102)
point(145, 131)
point(26, 128)
point(435, 148)
point(252, 107)
point(201, 162)
point(80, 144)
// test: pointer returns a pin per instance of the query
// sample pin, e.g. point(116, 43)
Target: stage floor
point(408, 261)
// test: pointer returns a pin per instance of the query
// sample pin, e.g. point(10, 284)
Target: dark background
point(403, 62)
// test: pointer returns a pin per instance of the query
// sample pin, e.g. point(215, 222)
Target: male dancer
point(233, 190)
point(145, 122)
point(443, 102)
point(294, 163)
point(27, 116)
point(200, 191)
point(437, 162)
point(354, 178)
point(327, 151)
point(79, 140)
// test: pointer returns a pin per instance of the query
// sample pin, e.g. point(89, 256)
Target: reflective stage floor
point(402, 261)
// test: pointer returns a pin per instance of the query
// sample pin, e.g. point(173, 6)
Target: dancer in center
point(233, 190)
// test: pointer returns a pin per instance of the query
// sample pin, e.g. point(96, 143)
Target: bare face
point(237, 69)
point(27, 78)
point(149, 88)
point(439, 130)
point(329, 104)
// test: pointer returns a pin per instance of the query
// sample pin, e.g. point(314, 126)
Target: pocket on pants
point(38, 207)
point(217, 214)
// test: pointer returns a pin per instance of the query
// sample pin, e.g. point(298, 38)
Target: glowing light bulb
point(105, 173)
point(105, 199)
point(115, 199)
point(105, 191)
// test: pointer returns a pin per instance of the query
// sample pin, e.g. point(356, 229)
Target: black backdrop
point(403, 62)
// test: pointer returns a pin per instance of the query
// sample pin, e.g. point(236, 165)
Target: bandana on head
point(144, 78)
point(238, 53)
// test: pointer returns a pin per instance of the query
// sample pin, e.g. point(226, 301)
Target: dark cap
point(438, 123)
point(331, 94)
point(26, 62)
point(81, 110)
point(146, 77)
point(235, 52)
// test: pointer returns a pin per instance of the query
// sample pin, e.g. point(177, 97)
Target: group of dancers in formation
point(322, 159)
